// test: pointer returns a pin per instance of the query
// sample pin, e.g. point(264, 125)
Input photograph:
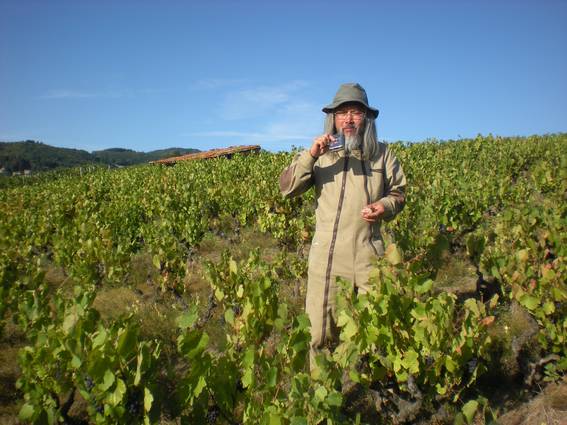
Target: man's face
point(349, 118)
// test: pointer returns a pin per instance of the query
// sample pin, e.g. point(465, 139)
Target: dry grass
point(55, 276)
point(141, 270)
point(115, 302)
point(548, 408)
point(512, 336)
point(456, 275)
point(10, 398)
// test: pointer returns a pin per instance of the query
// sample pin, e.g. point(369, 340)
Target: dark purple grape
point(89, 384)
point(471, 365)
point(133, 407)
point(212, 416)
point(134, 403)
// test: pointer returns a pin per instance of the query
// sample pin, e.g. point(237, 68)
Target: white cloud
point(267, 136)
point(216, 83)
point(257, 101)
point(274, 117)
point(278, 134)
point(77, 94)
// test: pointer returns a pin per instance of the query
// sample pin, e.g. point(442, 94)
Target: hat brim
point(331, 108)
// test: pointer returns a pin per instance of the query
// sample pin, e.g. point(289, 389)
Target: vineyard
point(174, 295)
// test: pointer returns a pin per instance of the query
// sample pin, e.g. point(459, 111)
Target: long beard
point(353, 142)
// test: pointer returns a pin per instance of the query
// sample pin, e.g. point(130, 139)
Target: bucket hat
point(351, 92)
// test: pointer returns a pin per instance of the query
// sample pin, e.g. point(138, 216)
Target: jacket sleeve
point(298, 177)
point(394, 186)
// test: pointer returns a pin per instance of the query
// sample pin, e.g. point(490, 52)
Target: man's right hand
point(320, 145)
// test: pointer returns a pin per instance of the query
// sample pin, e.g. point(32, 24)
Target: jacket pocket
point(376, 181)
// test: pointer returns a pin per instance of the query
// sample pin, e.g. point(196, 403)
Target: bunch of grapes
point(471, 365)
point(134, 403)
point(89, 384)
point(212, 416)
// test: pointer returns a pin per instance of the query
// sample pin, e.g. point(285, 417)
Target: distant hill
point(37, 156)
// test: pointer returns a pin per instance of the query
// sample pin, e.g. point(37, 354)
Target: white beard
point(352, 143)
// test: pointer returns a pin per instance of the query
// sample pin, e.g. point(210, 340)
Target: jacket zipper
point(332, 249)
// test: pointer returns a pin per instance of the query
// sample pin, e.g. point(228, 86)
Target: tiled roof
point(213, 153)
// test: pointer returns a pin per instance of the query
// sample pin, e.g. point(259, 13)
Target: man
point(356, 188)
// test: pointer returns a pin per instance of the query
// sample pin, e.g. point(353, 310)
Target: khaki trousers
point(320, 302)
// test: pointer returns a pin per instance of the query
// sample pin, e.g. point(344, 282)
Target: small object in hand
point(338, 144)
point(366, 211)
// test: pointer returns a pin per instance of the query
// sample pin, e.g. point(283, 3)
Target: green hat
point(351, 92)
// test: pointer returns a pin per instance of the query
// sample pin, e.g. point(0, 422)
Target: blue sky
point(149, 75)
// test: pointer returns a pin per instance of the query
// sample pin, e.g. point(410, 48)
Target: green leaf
point(523, 255)
point(138, 375)
point(229, 316)
point(247, 378)
point(100, 338)
point(298, 420)
point(272, 377)
point(148, 399)
point(127, 341)
point(559, 294)
point(529, 301)
point(188, 318)
point(419, 312)
point(494, 301)
point(201, 383)
point(219, 294)
point(107, 381)
point(549, 308)
point(393, 255)
point(471, 304)
point(397, 364)
point(459, 419)
point(116, 397)
point(469, 410)
point(495, 273)
point(475, 245)
point(70, 321)
point(450, 364)
point(76, 362)
point(424, 287)
point(193, 343)
point(334, 399)
point(349, 331)
point(411, 361)
point(233, 267)
point(320, 394)
point(249, 356)
point(26, 412)
point(275, 419)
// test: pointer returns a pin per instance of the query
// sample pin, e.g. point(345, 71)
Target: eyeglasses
point(353, 113)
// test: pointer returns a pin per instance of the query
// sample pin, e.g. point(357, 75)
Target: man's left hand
point(372, 212)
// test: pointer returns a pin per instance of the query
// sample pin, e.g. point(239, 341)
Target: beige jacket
point(344, 244)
